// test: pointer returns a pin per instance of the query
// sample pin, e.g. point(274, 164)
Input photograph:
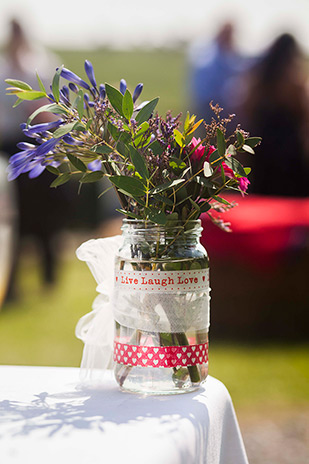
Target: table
point(46, 416)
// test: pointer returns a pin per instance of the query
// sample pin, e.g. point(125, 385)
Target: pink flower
point(198, 154)
point(243, 183)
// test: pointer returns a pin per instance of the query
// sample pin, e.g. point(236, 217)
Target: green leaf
point(203, 181)
point(240, 139)
point(179, 138)
point(145, 113)
point(156, 148)
point(248, 149)
point(115, 98)
point(127, 105)
point(138, 162)
point(53, 170)
point(77, 163)
point(78, 126)
point(215, 159)
point(18, 102)
point(141, 133)
point(62, 179)
point(205, 207)
point(128, 213)
point(253, 141)
point(221, 143)
point(103, 149)
point(131, 185)
point(195, 205)
point(41, 85)
point(80, 104)
point(221, 200)
point(30, 95)
point(158, 217)
point(236, 166)
point(176, 163)
point(19, 84)
point(164, 199)
point(89, 122)
point(51, 108)
point(113, 131)
point(123, 149)
point(63, 130)
point(167, 185)
point(55, 84)
point(231, 150)
point(91, 177)
point(247, 171)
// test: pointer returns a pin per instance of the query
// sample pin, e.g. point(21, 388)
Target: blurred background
point(252, 59)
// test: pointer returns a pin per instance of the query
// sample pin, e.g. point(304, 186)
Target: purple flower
point(46, 126)
point(102, 91)
point(71, 141)
point(90, 73)
point(46, 147)
point(25, 146)
point(123, 86)
point(87, 100)
point(36, 169)
point(137, 91)
point(70, 76)
point(73, 87)
point(95, 165)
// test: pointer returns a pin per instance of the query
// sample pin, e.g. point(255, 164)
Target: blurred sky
point(119, 23)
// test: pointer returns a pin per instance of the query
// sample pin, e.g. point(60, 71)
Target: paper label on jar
point(163, 281)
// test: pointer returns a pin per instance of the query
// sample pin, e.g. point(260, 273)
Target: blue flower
point(123, 86)
point(90, 73)
point(137, 91)
point(70, 76)
point(102, 91)
point(71, 141)
point(47, 146)
point(73, 87)
point(43, 127)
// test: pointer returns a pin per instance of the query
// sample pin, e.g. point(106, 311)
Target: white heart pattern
point(160, 356)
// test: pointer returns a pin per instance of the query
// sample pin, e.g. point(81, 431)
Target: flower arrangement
point(165, 179)
point(159, 171)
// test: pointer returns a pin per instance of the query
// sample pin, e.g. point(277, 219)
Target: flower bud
point(73, 87)
point(123, 86)
point(102, 91)
point(90, 73)
point(137, 91)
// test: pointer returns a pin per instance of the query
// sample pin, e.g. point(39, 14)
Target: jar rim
point(140, 226)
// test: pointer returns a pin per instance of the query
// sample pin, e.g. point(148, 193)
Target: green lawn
point(163, 72)
point(39, 330)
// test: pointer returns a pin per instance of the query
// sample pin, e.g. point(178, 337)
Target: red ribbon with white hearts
point(160, 356)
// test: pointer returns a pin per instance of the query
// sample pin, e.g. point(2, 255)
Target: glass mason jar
point(161, 308)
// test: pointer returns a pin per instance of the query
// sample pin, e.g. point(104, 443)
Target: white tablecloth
point(45, 418)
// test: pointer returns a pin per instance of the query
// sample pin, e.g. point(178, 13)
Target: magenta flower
point(199, 152)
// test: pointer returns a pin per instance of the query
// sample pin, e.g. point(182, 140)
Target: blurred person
point(276, 108)
point(214, 70)
point(41, 210)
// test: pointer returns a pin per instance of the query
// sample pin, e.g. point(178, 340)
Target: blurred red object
point(265, 230)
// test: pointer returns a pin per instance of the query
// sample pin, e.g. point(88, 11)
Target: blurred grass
point(39, 330)
point(163, 72)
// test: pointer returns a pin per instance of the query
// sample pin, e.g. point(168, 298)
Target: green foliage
point(115, 98)
point(157, 168)
point(127, 105)
point(55, 84)
point(145, 113)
